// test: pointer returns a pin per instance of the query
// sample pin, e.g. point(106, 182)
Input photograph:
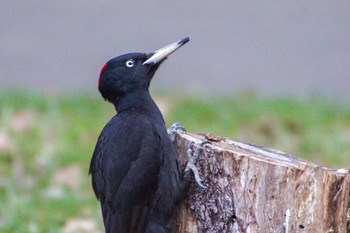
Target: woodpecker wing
point(125, 168)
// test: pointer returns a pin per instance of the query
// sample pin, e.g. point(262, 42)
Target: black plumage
point(134, 169)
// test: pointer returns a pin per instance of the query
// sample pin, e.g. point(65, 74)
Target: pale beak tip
point(164, 52)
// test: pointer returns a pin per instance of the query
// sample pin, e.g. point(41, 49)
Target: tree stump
point(255, 189)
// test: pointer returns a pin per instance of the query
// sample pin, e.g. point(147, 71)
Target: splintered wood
point(255, 189)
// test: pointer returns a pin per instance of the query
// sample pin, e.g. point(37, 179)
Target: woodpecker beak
point(164, 52)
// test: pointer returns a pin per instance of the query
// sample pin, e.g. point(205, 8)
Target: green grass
point(46, 144)
point(314, 129)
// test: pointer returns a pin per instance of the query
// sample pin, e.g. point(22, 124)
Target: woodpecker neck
point(138, 100)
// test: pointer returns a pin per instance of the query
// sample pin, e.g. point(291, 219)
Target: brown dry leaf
point(22, 121)
point(54, 192)
point(70, 176)
point(5, 143)
point(81, 225)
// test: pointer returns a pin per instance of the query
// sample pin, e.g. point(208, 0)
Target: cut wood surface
point(255, 189)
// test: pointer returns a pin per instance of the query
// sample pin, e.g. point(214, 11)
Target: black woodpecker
point(134, 169)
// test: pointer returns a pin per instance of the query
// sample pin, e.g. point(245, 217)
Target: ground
point(46, 144)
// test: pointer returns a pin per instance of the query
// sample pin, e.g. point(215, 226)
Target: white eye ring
point(129, 63)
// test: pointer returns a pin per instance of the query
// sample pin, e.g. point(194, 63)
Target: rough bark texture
point(255, 189)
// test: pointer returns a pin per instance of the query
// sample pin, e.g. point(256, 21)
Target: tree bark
point(255, 189)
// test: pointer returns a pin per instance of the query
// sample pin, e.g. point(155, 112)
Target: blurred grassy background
point(46, 144)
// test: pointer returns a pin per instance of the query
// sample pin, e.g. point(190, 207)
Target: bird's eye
point(129, 63)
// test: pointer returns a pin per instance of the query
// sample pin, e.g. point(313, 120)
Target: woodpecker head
point(133, 71)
